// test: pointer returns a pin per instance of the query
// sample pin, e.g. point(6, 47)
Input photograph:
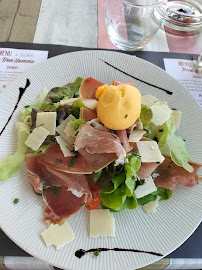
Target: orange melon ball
point(118, 106)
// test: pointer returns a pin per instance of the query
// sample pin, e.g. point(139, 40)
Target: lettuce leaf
point(46, 106)
point(77, 123)
point(12, 164)
point(146, 115)
point(42, 148)
point(159, 133)
point(130, 203)
point(178, 152)
point(165, 135)
point(96, 176)
point(131, 168)
point(36, 104)
point(117, 181)
point(68, 90)
point(116, 198)
point(76, 108)
point(120, 196)
point(165, 194)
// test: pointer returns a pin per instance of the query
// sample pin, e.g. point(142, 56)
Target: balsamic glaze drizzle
point(168, 92)
point(21, 92)
point(81, 252)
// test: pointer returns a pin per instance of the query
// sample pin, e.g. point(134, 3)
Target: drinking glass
point(131, 24)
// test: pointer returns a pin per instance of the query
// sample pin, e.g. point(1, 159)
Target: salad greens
point(120, 196)
point(165, 194)
point(77, 123)
point(165, 135)
point(36, 104)
point(47, 106)
point(69, 90)
point(76, 108)
point(178, 152)
point(146, 115)
point(12, 164)
point(42, 148)
point(117, 189)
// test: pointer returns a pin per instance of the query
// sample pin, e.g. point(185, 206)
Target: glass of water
point(131, 24)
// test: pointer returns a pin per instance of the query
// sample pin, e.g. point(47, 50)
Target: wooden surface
point(77, 23)
point(18, 19)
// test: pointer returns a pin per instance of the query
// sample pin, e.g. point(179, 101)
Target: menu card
point(185, 72)
point(15, 61)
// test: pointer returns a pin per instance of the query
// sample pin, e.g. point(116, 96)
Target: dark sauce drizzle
point(81, 252)
point(168, 92)
point(21, 92)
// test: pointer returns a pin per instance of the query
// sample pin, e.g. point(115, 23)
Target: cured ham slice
point(61, 204)
point(76, 183)
point(133, 126)
point(89, 87)
point(170, 175)
point(96, 141)
point(41, 175)
point(97, 124)
point(122, 135)
point(84, 162)
point(87, 114)
point(119, 82)
point(146, 169)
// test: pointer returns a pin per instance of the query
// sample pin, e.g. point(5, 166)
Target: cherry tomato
point(93, 199)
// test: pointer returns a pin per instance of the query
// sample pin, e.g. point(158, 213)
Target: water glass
point(131, 24)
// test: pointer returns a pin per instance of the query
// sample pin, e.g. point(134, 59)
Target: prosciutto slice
point(122, 135)
point(146, 169)
point(87, 114)
point(84, 163)
point(170, 175)
point(89, 87)
point(115, 82)
point(40, 175)
point(97, 124)
point(61, 204)
point(96, 141)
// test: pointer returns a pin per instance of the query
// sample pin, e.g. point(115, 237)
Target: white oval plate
point(162, 232)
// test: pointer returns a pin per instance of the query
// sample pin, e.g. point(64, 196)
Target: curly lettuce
point(69, 90)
